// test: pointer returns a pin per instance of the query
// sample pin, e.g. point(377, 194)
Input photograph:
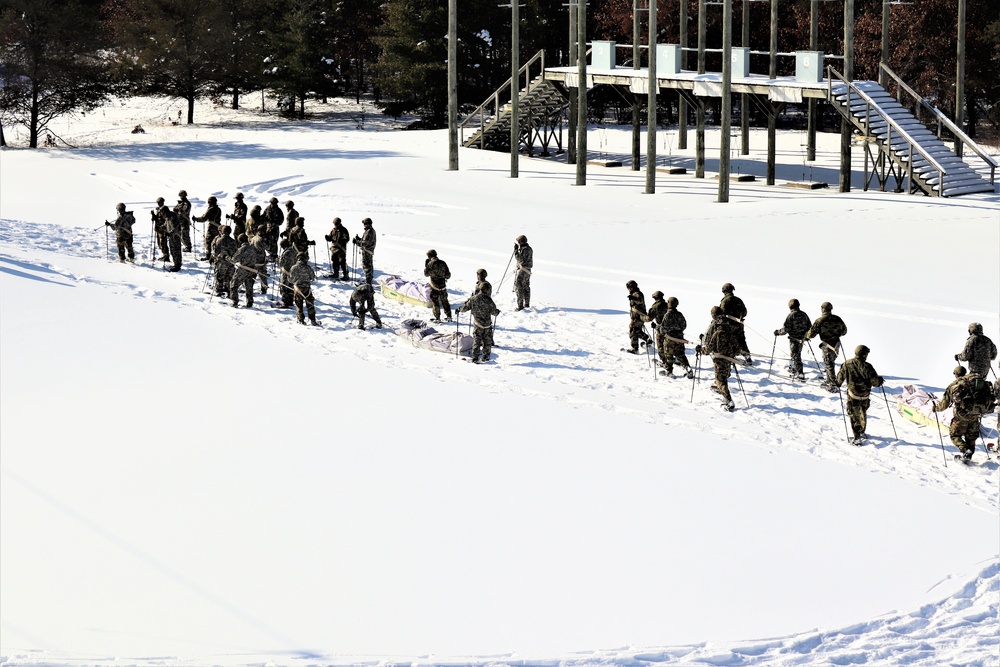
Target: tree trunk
point(190, 101)
point(3, 140)
point(236, 97)
point(33, 121)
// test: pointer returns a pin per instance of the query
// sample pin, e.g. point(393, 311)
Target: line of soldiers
point(725, 339)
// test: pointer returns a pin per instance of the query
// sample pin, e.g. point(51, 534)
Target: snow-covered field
point(186, 483)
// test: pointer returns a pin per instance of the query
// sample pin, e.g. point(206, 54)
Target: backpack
point(974, 397)
point(129, 219)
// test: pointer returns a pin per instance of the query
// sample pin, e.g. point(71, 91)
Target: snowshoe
point(629, 351)
point(859, 440)
point(728, 406)
point(689, 374)
point(962, 458)
point(829, 387)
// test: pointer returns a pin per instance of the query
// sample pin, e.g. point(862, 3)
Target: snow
point(187, 483)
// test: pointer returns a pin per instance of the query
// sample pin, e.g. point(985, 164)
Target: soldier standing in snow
point(483, 310)
point(239, 216)
point(290, 217)
point(212, 216)
point(183, 211)
point(964, 428)
point(720, 342)
point(223, 249)
point(860, 377)
point(159, 226)
point(123, 232)
point(481, 282)
point(438, 272)
point(298, 236)
point(256, 226)
point(669, 325)
point(525, 258)
point(830, 328)
point(735, 311)
point(367, 244)
point(636, 316)
point(363, 301)
point(171, 230)
point(338, 238)
point(979, 351)
point(272, 226)
point(243, 260)
point(302, 276)
point(286, 261)
point(796, 326)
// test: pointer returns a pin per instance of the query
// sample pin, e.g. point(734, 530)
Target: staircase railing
point(491, 107)
point(943, 120)
point(912, 144)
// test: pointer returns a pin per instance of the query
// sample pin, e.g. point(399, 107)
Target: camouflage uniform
point(338, 238)
point(182, 209)
point(363, 301)
point(245, 261)
point(285, 263)
point(367, 246)
point(223, 250)
point(964, 428)
point(302, 276)
point(298, 237)
point(637, 315)
point(720, 342)
point(483, 309)
point(239, 217)
point(123, 234)
point(829, 328)
point(670, 325)
point(735, 311)
point(860, 377)
point(482, 283)
point(525, 258)
point(256, 225)
point(796, 325)
point(261, 264)
point(160, 227)
point(290, 217)
point(438, 272)
point(979, 351)
point(172, 236)
point(272, 225)
point(213, 217)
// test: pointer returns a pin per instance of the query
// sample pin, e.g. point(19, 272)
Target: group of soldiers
point(970, 395)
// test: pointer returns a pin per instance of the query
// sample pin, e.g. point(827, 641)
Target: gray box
point(668, 59)
point(809, 66)
point(602, 55)
point(741, 61)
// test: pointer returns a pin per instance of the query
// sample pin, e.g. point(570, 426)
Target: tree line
point(59, 57)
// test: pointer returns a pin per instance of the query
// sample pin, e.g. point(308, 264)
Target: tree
point(242, 46)
point(51, 62)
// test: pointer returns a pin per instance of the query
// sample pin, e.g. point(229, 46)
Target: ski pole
point(697, 374)
point(504, 277)
point(843, 413)
point(315, 262)
point(458, 336)
point(215, 285)
point(740, 382)
point(107, 243)
point(895, 435)
point(944, 455)
point(329, 258)
point(649, 362)
point(206, 282)
point(656, 355)
point(983, 441)
point(152, 232)
point(774, 346)
point(812, 353)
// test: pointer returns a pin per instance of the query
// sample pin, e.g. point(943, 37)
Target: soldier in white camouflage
point(636, 317)
point(302, 276)
point(483, 310)
point(524, 256)
point(244, 261)
point(438, 273)
point(796, 326)
point(830, 328)
point(183, 211)
point(285, 263)
point(860, 377)
point(223, 250)
point(978, 352)
point(363, 301)
point(123, 232)
point(669, 325)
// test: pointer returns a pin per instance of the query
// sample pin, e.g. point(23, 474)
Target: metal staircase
point(540, 109)
point(904, 148)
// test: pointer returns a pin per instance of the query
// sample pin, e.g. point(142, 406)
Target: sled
point(917, 406)
point(397, 289)
point(422, 335)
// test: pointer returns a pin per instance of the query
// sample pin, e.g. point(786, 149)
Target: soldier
point(256, 226)
point(123, 232)
point(363, 301)
point(244, 261)
point(860, 377)
point(367, 244)
point(261, 264)
point(290, 217)
point(223, 250)
point(285, 262)
point(298, 236)
point(239, 216)
point(979, 351)
point(158, 216)
point(966, 413)
point(212, 216)
point(524, 256)
point(669, 325)
point(830, 328)
point(438, 272)
point(481, 282)
point(171, 230)
point(182, 209)
point(483, 311)
point(272, 219)
point(735, 311)
point(636, 315)
point(338, 238)
point(796, 326)
point(719, 341)
point(302, 276)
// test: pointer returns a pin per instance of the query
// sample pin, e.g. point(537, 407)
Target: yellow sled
point(390, 293)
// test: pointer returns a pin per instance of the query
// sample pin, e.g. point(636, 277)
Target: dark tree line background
point(64, 56)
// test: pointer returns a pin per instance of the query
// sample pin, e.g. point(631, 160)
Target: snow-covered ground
point(187, 483)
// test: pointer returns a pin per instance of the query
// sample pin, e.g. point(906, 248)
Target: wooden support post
point(581, 96)
point(846, 128)
point(744, 98)
point(813, 107)
point(960, 77)
point(651, 104)
point(452, 85)
point(682, 105)
point(699, 136)
point(883, 78)
point(636, 125)
point(571, 114)
point(515, 86)
point(727, 101)
point(772, 123)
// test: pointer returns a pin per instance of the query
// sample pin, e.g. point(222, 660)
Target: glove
point(697, 349)
point(956, 358)
point(515, 247)
point(311, 243)
point(777, 332)
point(327, 237)
point(107, 224)
point(499, 311)
point(881, 380)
